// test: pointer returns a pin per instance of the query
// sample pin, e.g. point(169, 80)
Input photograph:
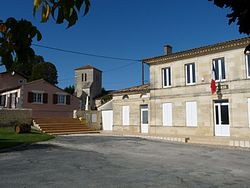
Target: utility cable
point(86, 54)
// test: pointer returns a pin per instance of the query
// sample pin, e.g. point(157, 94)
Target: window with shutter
point(30, 97)
point(68, 99)
point(54, 98)
point(45, 98)
point(167, 114)
point(191, 114)
point(125, 115)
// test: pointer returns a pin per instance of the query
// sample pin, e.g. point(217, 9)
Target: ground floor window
point(248, 103)
point(191, 114)
point(61, 99)
point(37, 97)
point(167, 114)
point(2, 100)
point(125, 115)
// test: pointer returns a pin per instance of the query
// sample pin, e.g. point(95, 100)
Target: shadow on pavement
point(31, 146)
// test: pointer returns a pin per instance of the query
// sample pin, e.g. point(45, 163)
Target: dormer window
point(125, 97)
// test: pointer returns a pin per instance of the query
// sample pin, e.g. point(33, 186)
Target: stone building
point(88, 85)
point(179, 100)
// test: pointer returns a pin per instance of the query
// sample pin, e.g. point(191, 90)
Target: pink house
point(45, 99)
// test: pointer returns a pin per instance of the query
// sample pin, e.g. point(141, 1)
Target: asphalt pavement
point(108, 161)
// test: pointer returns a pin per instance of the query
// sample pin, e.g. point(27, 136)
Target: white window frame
point(59, 97)
point(35, 97)
point(167, 70)
point(220, 69)
point(191, 71)
point(167, 116)
point(191, 114)
point(247, 56)
point(125, 115)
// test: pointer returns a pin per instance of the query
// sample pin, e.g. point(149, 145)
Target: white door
point(221, 114)
point(107, 120)
point(144, 119)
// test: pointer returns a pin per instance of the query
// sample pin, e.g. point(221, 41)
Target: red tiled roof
point(135, 89)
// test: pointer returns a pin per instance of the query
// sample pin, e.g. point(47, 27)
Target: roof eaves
point(205, 50)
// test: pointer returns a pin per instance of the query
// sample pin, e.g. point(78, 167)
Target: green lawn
point(8, 137)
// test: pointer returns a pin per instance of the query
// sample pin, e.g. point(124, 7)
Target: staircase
point(63, 126)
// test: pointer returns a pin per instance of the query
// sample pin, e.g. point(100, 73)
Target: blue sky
point(134, 29)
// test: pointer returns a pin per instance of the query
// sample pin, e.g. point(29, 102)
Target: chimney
point(167, 49)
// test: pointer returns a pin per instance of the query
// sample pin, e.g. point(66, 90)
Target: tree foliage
point(15, 45)
point(61, 10)
point(45, 70)
point(70, 89)
point(240, 13)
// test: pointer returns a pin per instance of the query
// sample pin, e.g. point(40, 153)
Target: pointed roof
point(87, 67)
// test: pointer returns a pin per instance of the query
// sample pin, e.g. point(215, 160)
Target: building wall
point(92, 86)
point(236, 90)
point(49, 109)
point(134, 101)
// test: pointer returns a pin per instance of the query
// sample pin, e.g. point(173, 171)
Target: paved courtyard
point(105, 161)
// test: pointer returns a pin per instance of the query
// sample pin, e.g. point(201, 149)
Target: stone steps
point(62, 126)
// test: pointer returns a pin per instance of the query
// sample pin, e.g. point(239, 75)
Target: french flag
point(213, 84)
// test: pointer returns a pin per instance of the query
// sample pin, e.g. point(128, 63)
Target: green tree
point(15, 45)
point(44, 70)
point(61, 10)
point(239, 13)
point(70, 89)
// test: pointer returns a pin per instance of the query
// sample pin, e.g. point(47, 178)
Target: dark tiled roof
point(136, 89)
point(87, 67)
point(20, 74)
point(205, 50)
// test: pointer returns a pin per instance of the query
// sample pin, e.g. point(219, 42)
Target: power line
point(86, 54)
point(105, 71)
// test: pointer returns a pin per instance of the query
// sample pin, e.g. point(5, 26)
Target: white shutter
point(125, 115)
point(191, 114)
point(167, 114)
point(248, 103)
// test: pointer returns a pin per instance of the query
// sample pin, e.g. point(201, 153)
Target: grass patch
point(8, 137)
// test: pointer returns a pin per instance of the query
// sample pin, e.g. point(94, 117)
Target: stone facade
point(189, 108)
point(88, 83)
point(10, 116)
point(134, 101)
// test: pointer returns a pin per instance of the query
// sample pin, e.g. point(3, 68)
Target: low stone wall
point(9, 116)
point(92, 118)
